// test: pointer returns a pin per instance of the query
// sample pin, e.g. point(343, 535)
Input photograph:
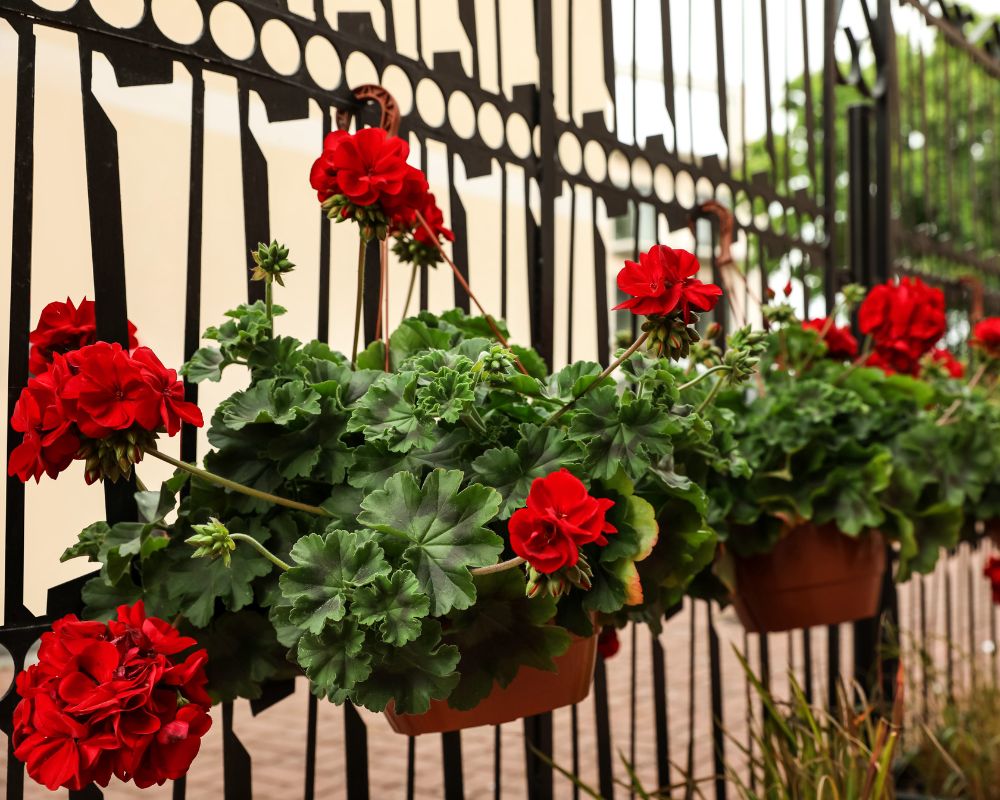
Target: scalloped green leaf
point(270, 401)
point(335, 660)
point(440, 531)
point(395, 605)
point(387, 413)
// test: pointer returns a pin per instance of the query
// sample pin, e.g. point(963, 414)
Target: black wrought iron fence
point(545, 108)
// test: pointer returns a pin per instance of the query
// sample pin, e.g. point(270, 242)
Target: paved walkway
point(276, 738)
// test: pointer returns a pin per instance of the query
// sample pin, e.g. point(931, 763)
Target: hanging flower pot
point(533, 691)
point(815, 575)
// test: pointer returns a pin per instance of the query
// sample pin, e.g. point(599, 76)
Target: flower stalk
point(211, 477)
point(242, 537)
point(362, 247)
point(702, 376)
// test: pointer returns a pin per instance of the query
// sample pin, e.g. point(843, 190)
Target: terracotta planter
point(533, 691)
point(814, 576)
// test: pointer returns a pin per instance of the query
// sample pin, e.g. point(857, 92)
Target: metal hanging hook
point(391, 117)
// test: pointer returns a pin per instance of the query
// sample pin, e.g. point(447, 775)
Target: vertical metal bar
point(689, 764)
point(312, 724)
point(538, 772)
point(926, 149)
point(570, 305)
point(574, 724)
point(323, 325)
point(256, 214)
point(768, 110)
point(924, 688)
point(660, 712)
point(859, 147)
point(718, 723)
point(498, 760)
point(720, 66)
point(832, 665)
point(19, 324)
point(459, 247)
point(451, 756)
point(602, 724)
point(602, 313)
point(807, 662)
point(548, 184)
point(355, 754)
point(411, 770)
point(669, 90)
point(809, 108)
point(632, 704)
point(971, 584)
point(949, 143)
point(884, 113)
point(948, 634)
point(179, 790)
point(192, 297)
point(830, 18)
point(235, 760)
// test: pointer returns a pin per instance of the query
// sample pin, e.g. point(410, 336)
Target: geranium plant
point(416, 522)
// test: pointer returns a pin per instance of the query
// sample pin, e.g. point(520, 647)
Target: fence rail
point(836, 132)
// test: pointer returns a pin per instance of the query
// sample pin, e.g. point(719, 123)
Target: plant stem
point(409, 291)
point(973, 382)
point(474, 421)
point(242, 537)
point(468, 289)
point(611, 368)
point(362, 247)
point(709, 397)
point(701, 377)
point(501, 567)
point(237, 487)
point(139, 484)
point(384, 258)
point(269, 302)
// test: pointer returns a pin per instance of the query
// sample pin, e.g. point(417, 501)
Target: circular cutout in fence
point(619, 172)
point(490, 126)
point(280, 47)
point(684, 189)
point(519, 136)
point(642, 176)
point(742, 209)
point(595, 162)
point(461, 115)
point(120, 13)
point(570, 153)
point(663, 183)
point(360, 70)
point(724, 195)
point(55, 5)
point(430, 103)
point(536, 140)
point(323, 63)
point(179, 20)
point(232, 30)
point(398, 85)
point(776, 212)
point(704, 190)
point(761, 220)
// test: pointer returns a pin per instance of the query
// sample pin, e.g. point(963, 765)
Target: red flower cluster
point(368, 170)
point(111, 699)
point(840, 342)
point(558, 519)
point(63, 327)
point(992, 571)
point(90, 395)
point(946, 361)
point(905, 320)
point(663, 281)
point(986, 336)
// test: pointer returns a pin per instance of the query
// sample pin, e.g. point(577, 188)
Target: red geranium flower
point(840, 342)
point(111, 699)
point(992, 571)
point(607, 643)
point(402, 207)
point(905, 320)
point(50, 442)
point(173, 407)
point(110, 391)
point(986, 335)
point(63, 327)
point(559, 518)
point(435, 219)
point(946, 361)
point(664, 281)
point(365, 167)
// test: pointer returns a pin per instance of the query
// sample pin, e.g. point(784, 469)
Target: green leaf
point(850, 493)
point(620, 435)
point(440, 531)
point(326, 569)
point(335, 659)
point(540, 451)
point(448, 395)
point(317, 451)
point(616, 581)
point(412, 675)
point(387, 413)
point(503, 632)
point(531, 361)
point(89, 542)
point(269, 401)
point(572, 380)
point(396, 605)
point(154, 506)
point(206, 364)
point(101, 599)
point(374, 463)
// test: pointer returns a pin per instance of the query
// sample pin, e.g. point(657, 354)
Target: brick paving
point(276, 738)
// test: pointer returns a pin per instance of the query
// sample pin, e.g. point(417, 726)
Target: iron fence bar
point(312, 726)
point(955, 37)
point(669, 89)
point(355, 754)
point(602, 725)
point(632, 704)
point(831, 9)
point(660, 711)
point(451, 757)
point(718, 720)
point(538, 772)
point(235, 760)
point(411, 772)
point(498, 760)
point(768, 110)
point(325, 231)
point(721, 89)
point(544, 280)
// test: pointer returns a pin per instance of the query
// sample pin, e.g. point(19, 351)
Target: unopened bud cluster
point(412, 251)
point(556, 584)
point(781, 314)
point(497, 362)
point(112, 457)
point(743, 355)
point(212, 540)
point(271, 261)
point(671, 336)
point(372, 221)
